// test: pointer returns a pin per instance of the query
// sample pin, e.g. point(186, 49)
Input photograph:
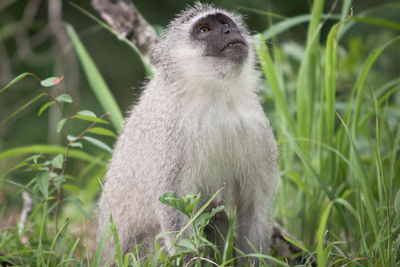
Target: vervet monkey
point(197, 127)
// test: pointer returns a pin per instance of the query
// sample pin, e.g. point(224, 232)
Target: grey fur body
point(197, 127)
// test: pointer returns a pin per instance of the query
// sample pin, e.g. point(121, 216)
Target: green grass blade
point(295, 242)
point(345, 9)
point(330, 83)
point(56, 238)
point(71, 252)
point(42, 235)
point(269, 258)
point(228, 246)
point(393, 161)
point(49, 149)
point(116, 241)
point(24, 106)
point(308, 166)
point(321, 251)
point(282, 26)
point(360, 86)
point(313, 173)
point(270, 73)
point(316, 14)
point(367, 117)
point(96, 81)
point(262, 12)
point(365, 187)
point(308, 76)
point(100, 246)
point(300, 183)
point(378, 22)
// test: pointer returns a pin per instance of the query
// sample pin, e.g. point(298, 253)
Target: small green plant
point(49, 179)
point(193, 244)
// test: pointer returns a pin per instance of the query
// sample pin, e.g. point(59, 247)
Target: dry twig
point(125, 18)
point(25, 211)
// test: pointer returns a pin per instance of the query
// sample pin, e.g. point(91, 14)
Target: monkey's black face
point(221, 37)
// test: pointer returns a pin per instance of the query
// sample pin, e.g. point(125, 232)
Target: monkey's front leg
point(254, 226)
point(171, 221)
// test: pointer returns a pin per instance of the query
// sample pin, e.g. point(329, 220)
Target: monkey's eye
point(225, 24)
point(205, 29)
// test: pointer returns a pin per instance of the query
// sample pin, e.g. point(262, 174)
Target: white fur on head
point(178, 58)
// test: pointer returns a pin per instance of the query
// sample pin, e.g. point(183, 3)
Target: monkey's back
point(144, 155)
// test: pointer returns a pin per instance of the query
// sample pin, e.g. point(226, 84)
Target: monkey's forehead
point(198, 11)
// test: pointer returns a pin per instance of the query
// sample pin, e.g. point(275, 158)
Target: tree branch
point(125, 18)
point(25, 211)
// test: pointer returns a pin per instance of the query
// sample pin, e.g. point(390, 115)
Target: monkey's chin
point(236, 53)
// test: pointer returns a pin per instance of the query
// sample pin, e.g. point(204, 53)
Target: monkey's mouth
point(233, 43)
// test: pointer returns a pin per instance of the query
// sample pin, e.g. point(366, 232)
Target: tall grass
point(339, 167)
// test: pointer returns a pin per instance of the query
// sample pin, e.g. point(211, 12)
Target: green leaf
point(96, 81)
point(42, 181)
point(71, 138)
point(61, 124)
point(15, 80)
point(204, 219)
point(59, 180)
point(172, 200)
point(44, 107)
point(97, 143)
point(77, 144)
point(78, 204)
point(49, 82)
point(24, 106)
point(57, 161)
point(87, 113)
point(191, 201)
point(101, 131)
point(65, 98)
point(187, 246)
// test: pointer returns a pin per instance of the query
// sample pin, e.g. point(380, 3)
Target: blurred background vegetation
point(33, 39)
